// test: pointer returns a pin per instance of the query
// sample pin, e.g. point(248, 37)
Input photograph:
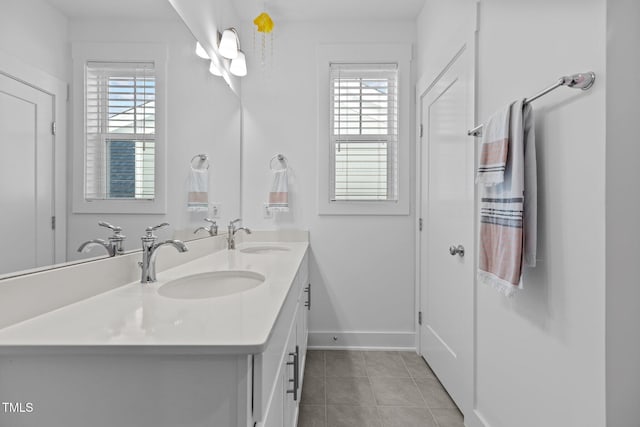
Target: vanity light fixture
point(201, 52)
point(238, 65)
point(229, 43)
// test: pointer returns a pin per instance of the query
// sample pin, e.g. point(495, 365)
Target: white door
point(447, 210)
point(26, 176)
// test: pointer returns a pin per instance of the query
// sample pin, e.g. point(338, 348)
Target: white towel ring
point(283, 161)
point(204, 159)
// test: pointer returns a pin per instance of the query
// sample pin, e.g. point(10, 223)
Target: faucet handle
point(151, 229)
point(115, 228)
point(212, 221)
point(231, 228)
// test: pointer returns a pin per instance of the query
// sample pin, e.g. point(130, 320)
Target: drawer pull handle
point(295, 374)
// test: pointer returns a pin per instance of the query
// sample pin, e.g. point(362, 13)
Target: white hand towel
point(508, 209)
point(198, 190)
point(279, 195)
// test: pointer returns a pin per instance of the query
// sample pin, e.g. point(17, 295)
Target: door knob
point(456, 250)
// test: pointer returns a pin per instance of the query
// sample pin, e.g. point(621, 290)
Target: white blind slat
point(364, 131)
point(120, 130)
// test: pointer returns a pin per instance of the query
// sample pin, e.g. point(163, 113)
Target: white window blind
point(364, 132)
point(120, 135)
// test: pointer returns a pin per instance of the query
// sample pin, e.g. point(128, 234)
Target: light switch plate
point(215, 210)
point(266, 212)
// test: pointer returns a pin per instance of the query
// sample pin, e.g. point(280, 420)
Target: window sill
point(363, 208)
point(157, 206)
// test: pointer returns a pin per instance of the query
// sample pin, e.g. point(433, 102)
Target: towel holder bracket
point(203, 160)
point(281, 159)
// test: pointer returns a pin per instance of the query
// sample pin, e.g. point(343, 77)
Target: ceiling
point(280, 10)
point(335, 10)
point(106, 9)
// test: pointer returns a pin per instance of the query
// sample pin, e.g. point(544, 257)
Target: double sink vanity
point(218, 340)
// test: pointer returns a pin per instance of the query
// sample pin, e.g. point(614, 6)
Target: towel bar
point(582, 81)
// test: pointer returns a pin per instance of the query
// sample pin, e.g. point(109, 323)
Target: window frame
point(390, 140)
point(385, 53)
point(119, 52)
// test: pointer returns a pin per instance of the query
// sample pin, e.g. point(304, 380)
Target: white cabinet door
point(291, 378)
point(303, 329)
point(304, 305)
point(275, 414)
point(284, 408)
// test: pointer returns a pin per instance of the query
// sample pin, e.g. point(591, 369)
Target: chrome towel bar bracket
point(203, 159)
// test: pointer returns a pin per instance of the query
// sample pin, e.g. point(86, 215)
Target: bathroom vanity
point(170, 353)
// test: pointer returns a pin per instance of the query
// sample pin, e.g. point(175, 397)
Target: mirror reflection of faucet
point(150, 252)
point(231, 233)
point(114, 245)
point(212, 229)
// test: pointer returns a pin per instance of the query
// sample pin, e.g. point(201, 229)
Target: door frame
point(34, 77)
point(424, 85)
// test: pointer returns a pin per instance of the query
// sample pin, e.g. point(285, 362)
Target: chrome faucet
point(115, 244)
point(149, 252)
point(212, 229)
point(231, 233)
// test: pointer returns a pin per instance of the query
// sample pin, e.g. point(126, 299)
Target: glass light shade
point(229, 44)
point(201, 52)
point(215, 69)
point(226, 78)
point(239, 65)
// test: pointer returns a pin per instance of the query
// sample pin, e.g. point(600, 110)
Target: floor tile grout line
point(426, 404)
point(375, 400)
point(324, 381)
point(378, 413)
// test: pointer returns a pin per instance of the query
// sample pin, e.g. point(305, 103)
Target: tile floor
point(373, 389)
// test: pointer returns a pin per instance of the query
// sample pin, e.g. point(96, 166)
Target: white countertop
point(136, 317)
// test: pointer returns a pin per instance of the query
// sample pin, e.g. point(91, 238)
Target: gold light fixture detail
point(264, 23)
point(264, 26)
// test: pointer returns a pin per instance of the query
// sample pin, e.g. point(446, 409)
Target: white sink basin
point(264, 249)
point(211, 284)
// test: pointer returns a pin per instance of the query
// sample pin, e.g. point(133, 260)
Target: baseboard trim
point(476, 420)
point(356, 340)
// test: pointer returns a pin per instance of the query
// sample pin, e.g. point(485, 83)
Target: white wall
point(35, 33)
point(540, 356)
point(203, 116)
point(623, 211)
point(443, 26)
point(361, 267)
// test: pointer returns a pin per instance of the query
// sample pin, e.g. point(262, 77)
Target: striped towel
point(279, 195)
point(198, 190)
point(508, 207)
point(494, 148)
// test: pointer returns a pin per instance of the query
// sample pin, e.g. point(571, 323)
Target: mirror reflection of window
point(120, 118)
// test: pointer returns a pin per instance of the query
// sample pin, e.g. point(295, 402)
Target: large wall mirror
point(130, 129)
